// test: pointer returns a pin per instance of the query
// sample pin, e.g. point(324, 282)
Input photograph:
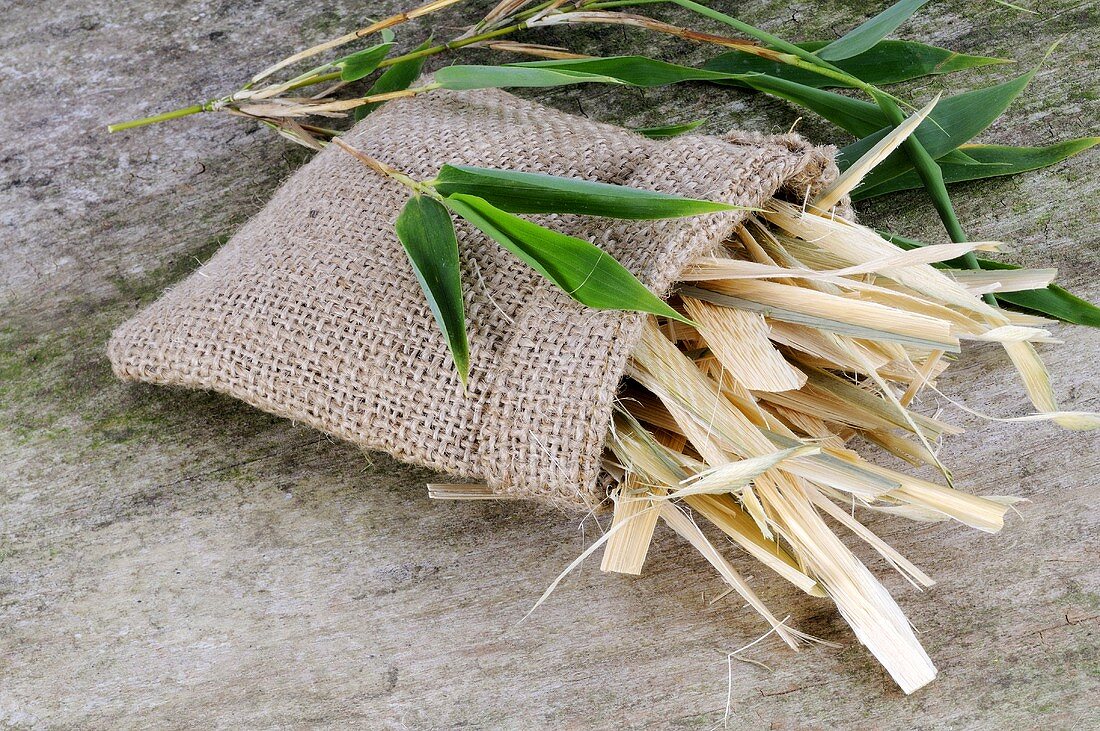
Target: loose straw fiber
point(313, 312)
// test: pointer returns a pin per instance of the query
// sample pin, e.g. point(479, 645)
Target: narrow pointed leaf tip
point(425, 229)
point(517, 192)
point(586, 273)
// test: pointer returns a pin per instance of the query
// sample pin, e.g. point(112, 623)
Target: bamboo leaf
point(852, 115)
point(983, 161)
point(362, 63)
point(1055, 302)
point(583, 271)
point(858, 117)
point(518, 192)
point(634, 70)
point(865, 36)
point(887, 62)
point(1052, 301)
point(425, 229)
point(398, 77)
point(670, 130)
point(954, 122)
point(461, 78)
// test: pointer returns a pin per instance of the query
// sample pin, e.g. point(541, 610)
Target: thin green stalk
point(163, 117)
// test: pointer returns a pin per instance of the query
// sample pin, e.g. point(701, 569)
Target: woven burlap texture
point(312, 311)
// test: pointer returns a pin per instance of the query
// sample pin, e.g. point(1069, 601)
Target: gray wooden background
point(173, 559)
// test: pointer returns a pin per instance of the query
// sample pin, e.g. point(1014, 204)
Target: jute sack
point(312, 311)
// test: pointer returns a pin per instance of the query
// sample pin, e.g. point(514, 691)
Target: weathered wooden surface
point(172, 559)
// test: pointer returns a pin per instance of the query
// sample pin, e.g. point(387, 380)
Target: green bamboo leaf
point(1052, 301)
point(498, 77)
point(977, 162)
point(425, 229)
point(888, 62)
point(953, 122)
point(856, 116)
point(518, 192)
point(865, 36)
point(852, 115)
point(362, 63)
point(634, 70)
point(398, 77)
point(583, 271)
point(670, 130)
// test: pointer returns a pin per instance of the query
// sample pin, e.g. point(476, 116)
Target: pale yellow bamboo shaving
point(1002, 280)
point(855, 173)
point(743, 530)
point(643, 455)
point(465, 491)
point(731, 477)
point(684, 390)
point(1015, 334)
point(902, 448)
point(861, 398)
point(823, 346)
point(977, 512)
point(874, 617)
point(626, 550)
point(924, 376)
point(740, 341)
point(909, 419)
point(859, 244)
point(809, 425)
point(889, 294)
point(712, 268)
point(836, 313)
point(1036, 381)
point(904, 567)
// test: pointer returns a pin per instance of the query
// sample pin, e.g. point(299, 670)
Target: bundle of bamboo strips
point(811, 330)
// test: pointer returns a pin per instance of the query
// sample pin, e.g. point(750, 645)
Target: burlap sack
point(312, 310)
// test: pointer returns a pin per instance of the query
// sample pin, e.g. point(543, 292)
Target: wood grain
point(172, 559)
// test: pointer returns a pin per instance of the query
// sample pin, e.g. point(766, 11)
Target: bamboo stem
point(163, 117)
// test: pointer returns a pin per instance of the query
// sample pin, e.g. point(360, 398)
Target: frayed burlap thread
point(312, 311)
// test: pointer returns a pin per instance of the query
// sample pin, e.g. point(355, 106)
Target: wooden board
point(173, 559)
